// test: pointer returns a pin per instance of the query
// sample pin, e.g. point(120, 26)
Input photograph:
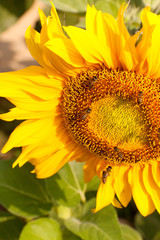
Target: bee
point(158, 133)
point(85, 113)
point(140, 97)
point(116, 149)
point(106, 173)
point(90, 83)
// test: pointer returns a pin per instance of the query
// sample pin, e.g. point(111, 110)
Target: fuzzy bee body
point(140, 97)
point(158, 134)
point(85, 113)
point(120, 154)
point(106, 173)
point(90, 83)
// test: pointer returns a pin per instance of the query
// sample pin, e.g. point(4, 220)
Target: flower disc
point(114, 114)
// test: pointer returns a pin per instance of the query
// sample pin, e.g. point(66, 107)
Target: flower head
point(95, 99)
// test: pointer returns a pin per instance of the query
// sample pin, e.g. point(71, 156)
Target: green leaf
point(10, 226)
point(108, 6)
point(41, 229)
point(21, 193)
point(67, 186)
point(69, 5)
point(67, 235)
point(93, 184)
point(148, 226)
point(69, 18)
point(129, 233)
point(80, 6)
point(90, 204)
point(157, 236)
point(10, 11)
point(138, 3)
point(101, 225)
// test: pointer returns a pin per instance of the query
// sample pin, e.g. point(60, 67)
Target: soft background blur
point(15, 17)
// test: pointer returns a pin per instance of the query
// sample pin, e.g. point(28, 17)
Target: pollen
point(114, 114)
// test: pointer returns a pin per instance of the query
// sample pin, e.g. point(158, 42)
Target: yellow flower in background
point(95, 99)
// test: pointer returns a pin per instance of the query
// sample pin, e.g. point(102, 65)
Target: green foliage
point(67, 187)
point(20, 192)
point(108, 6)
point(10, 226)
point(68, 18)
point(129, 233)
point(69, 5)
point(67, 235)
point(70, 217)
point(94, 184)
point(10, 11)
point(74, 6)
point(41, 229)
point(157, 236)
point(96, 226)
point(149, 226)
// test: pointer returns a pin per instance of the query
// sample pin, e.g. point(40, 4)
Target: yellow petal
point(156, 172)
point(42, 16)
point(22, 86)
point(52, 164)
point(149, 46)
point(127, 50)
point(105, 194)
point(89, 168)
point(55, 16)
point(112, 35)
point(38, 151)
point(51, 27)
point(51, 30)
point(121, 185)
point(98, 24)
point(141, 197)
point(28, 132)
point(120, 21)
point(90, 46)
point(153, 57)
point(29, 82)
point(33, 41)
point(151, 186)
point(116, 203)
point(91, 19)
point(59, 63)
point(65, 49)
point(39, 76)
point(102, 34)
point(46, 146)
point(20, 114)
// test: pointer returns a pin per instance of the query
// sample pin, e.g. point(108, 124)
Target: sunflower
point(95, 98)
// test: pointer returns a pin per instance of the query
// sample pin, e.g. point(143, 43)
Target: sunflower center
point(114, 114)
point(119, 122)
